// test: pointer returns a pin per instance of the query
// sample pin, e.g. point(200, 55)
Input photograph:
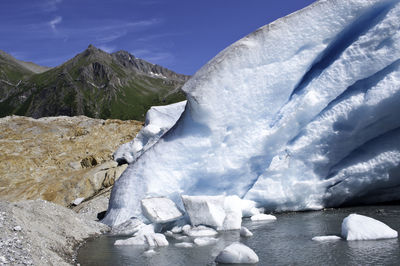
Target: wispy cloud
point(108, 49)
point(50, 5)
point(105, 38)
point(53, 23)
point(154, 56)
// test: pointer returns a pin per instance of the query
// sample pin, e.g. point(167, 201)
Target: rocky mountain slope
point(93, 83)
point(59, 159)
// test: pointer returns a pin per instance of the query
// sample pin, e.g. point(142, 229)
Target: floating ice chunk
point(150, 252)
point(249, 208)
point(160, 210)
point(159, 119)
point(198, 231)
point(184, 245)
point(149, 239)
point(132, 241)
point(263, 217)
point(127, 228)
point(176, 229)
point(145, 236)
point(156, 240)
point(360, 227)
point(233, 213)
point(237, 253)
point(205, 241)
point(207, 210)
point(223, 213)
point(244, 232)
point(326, 238)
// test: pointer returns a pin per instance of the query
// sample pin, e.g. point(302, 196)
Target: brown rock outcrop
point(59, 159)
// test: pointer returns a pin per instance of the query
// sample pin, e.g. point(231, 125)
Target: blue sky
point(179, 34)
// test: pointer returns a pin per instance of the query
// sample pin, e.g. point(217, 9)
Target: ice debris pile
point(204, 217)
point(301, 114)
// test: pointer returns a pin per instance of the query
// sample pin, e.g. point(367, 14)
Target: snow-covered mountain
point(300, 114)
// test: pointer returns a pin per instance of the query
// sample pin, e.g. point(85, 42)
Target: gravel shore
point(39, 232)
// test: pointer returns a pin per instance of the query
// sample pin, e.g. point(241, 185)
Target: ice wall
point(300, 114)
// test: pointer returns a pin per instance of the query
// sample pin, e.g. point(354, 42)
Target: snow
point(326, 238)
point(160, 210)
point(299, 115)
point(199, 231)
point(244, 232)
point(237, 253)
point(360, 227)
point(159, 119)
point(205, 241)
point(263, 217)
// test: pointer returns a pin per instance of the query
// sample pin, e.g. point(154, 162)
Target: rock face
point(59, 159)
point(42, 233)
point(93, 83)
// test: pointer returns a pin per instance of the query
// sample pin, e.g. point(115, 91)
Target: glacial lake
point(286, 241)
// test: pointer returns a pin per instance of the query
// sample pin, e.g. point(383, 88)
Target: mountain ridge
point(92, 83)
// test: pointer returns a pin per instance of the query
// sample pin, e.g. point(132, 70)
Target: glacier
point(301, 114)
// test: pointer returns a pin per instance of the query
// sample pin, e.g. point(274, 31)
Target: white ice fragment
point(156, 240)
point(205, 241)
point(127, 228)
point(78, 201)
point(249, 208)
point(198, 231)
point(244, 232)
point(160, 210)
point(207, 210)
point(326, 238)
point(237, 253)
point(176, 229)
point(184, 245)
point(169, 233)
point(149, 253)
point(360, 227)
point(220, 212)
point(136, 241)
point(152, 240)
point(263, 217)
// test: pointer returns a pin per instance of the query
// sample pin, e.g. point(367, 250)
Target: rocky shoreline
point(46, 164)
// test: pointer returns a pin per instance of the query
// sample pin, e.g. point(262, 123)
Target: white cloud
point(54, 22)
point(106, 48)
point(50, 5)
point(155, 57)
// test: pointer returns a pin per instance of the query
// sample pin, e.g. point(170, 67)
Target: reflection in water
point(286, 241)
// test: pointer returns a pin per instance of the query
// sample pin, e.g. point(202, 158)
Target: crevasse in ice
point(300, 114)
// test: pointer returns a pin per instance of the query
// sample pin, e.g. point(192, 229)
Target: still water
point(286, 241)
